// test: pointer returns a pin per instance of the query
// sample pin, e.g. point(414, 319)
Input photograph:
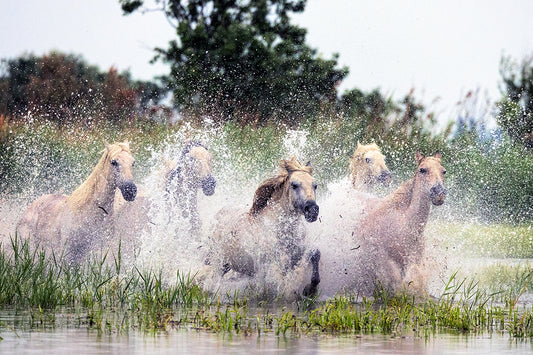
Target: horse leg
point(244, 264)
point(312, 288)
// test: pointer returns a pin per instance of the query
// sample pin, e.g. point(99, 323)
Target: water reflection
point(187, 341)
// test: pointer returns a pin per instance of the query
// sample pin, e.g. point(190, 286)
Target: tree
point(64, 88)
point(516, 108)
point(244, 60)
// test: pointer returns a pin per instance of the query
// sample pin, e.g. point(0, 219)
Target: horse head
point(194, 166)
point(367, 166)
point(294, 186)
point(430, 176)
point(121, 162)
point(202, 169)
point(301, 193)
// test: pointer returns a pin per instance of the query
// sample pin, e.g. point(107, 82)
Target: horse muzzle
point(385, 177)
point(310, 210)
point(208, 185)
point(437, 194)
point(129, 190)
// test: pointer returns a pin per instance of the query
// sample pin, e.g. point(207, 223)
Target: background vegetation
point(243, 78)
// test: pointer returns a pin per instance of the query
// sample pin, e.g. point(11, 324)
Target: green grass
point(494, 240)
point(517, 279)
point(102, 296)
point(30, 278)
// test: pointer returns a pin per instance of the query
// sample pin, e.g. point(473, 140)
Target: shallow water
point(79, 340)
point(168, 245)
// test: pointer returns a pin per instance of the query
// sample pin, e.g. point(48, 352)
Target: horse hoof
point(225, 269)
point(315, 257)
point(310, 290)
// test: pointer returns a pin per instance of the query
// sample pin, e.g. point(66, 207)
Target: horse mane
point(273, 186)
point(97, 180)
point(401, 197)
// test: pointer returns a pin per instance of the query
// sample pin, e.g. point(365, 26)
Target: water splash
point(239, 167)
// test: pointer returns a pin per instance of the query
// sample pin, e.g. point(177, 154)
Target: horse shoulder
point(42, 220)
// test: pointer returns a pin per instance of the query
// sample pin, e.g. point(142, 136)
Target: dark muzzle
point(310, 211)
point(385, 177)
point(129, 190)
point(208, 185)
point(437, 194)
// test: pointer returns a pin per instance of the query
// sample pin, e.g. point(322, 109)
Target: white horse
point(78, 222)
point(271, 234)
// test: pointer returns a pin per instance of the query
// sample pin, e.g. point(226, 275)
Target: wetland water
point(79, 340)
point(68, 333)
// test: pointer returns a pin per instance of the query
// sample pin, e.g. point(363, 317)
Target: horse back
point(41, 216)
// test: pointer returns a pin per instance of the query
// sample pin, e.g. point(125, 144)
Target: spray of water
point(166, 242)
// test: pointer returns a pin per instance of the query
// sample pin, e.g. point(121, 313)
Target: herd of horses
point(385, 236)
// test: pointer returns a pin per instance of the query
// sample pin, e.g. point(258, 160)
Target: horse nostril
point(384, 176)
point(438, 190)
point(311, 211)
point(208, 185)
point(437, 194)
point(129, 191)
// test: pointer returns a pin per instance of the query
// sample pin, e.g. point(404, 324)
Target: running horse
point(76, 223)
point(391, 233)
point(273, 226)
point(184, 178)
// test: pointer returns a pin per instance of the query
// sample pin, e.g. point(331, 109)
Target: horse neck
point(359, 182)
point(97, 193)
point(418, 211)
point(409, 198)
point(184, 186)
point(278, 207)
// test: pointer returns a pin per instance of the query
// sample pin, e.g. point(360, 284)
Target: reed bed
point(101, 295)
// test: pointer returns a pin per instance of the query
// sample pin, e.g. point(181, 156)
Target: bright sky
point(439, 48)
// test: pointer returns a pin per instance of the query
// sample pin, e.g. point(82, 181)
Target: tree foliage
point(244, 60)
point(516, 108)
point(64, 88)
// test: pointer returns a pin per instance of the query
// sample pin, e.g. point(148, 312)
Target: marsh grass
point(514, 279)
point(31, 278)
point(101, 295)
point(485, 240)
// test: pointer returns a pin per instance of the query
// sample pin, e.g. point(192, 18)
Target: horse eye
point(133, 164)
point(423, 170)
point(315, 186)
point(443, 172)
point(294, 185)
point(114, 162)
point(368, 160)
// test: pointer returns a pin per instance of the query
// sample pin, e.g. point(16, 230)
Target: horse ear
point(438, 155)
point(418, 157)
point(107, 146)
point(358, 145)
